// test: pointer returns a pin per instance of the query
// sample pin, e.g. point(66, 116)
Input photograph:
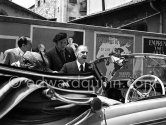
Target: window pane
point(73, 1)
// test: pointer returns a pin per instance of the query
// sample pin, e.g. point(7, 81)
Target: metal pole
point(103, 5)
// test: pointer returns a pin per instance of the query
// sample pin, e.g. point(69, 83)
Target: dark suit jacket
point(55, 59)
point(72, 68)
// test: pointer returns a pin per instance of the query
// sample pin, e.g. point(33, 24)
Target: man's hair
point(22, 40)
point(59, 37)
point(80, 46)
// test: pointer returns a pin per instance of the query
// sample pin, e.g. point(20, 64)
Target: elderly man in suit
point(60, 54)
point(80, 65)
point(13, 56)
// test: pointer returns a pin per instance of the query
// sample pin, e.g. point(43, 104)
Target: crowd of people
point(62, 58)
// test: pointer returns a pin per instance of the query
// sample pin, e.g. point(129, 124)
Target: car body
point(27, 97)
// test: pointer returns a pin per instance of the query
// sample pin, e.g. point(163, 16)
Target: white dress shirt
point(78, 64)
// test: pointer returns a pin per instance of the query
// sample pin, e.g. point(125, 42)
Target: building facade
point(94, 6)
point(60, 10)
point(8, 8)
point(142, 15)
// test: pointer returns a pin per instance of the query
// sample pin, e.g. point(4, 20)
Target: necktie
point(63, 55)
point(81, 68)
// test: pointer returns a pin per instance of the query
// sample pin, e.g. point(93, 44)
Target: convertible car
point(30, 97)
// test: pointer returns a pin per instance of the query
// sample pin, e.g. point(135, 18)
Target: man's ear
point(76, 53)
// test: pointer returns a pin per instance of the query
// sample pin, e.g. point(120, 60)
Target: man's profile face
point(61, 44)
point(28, 46)
point(82, 54)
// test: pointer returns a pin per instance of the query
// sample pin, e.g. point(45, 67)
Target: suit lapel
point(67, 54)
point(59, 55)
point(85, 70)
point(87, 67)
point(75, 67)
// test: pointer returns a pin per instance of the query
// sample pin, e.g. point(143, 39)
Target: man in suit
point(80, 65)
point(60, 54)
point(13, 56)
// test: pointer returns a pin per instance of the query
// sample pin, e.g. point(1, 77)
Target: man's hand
point(17, 64)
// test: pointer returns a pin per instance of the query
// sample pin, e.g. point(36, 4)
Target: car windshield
point(135, 66)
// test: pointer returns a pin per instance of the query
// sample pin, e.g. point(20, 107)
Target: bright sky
point(24, 3)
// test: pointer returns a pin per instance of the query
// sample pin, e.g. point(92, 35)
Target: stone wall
point(62, 10)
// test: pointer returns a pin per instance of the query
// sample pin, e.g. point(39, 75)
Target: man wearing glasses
point(60, 54)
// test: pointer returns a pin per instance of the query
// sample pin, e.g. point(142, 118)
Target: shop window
point(38, 3)
point(83, 6)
